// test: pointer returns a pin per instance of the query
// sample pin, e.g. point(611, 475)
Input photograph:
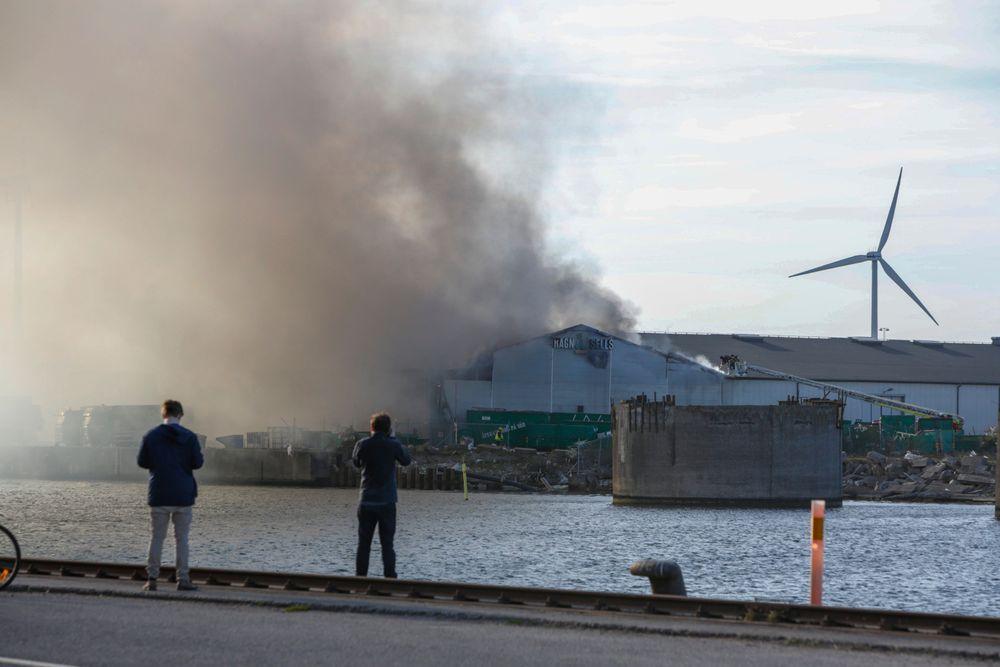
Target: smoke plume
point(271, 210)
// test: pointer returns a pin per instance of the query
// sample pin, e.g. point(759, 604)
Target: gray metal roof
point(846, 359)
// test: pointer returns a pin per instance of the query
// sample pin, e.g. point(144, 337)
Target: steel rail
point(732, 610)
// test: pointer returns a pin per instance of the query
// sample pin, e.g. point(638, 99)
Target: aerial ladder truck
point(736, 367)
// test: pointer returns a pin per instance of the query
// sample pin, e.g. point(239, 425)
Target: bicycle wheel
point(10, 557)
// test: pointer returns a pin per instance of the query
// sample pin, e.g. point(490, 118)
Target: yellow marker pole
point(465, 481)
point(816, 587)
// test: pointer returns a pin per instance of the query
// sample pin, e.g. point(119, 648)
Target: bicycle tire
point(8, 566)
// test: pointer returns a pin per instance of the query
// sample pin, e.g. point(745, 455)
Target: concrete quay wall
point(780, 455)
point(222, 466)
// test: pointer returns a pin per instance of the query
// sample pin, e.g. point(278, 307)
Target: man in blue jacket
point(170, 452)
point(377, 457)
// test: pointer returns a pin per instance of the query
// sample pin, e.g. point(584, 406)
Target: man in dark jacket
point(377, 457)
point(170, 452)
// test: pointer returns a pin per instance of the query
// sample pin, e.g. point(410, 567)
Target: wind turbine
point(875, 257)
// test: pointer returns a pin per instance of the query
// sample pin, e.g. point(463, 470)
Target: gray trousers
point(159, 518)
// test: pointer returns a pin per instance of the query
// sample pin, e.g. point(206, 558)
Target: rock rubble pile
point(586, 469)
point(915, 476)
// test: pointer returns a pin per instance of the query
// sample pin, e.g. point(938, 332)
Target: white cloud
point(867, 105)
point(792, 46)
point(643, 14)
point(653, 198)
point(740, 129)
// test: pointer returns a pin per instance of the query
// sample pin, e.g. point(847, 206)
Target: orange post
point(816, 587)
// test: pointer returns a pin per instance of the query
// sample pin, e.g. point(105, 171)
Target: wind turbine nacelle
point(875, 257)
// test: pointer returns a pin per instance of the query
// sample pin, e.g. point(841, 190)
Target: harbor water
point(940, 558)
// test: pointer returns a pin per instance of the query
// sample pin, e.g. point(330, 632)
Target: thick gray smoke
point(270, 212)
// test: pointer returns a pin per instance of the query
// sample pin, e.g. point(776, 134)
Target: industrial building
point(576, 370)
point(960, 378)
point(584, 370)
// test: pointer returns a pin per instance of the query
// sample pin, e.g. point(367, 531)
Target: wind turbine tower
point(875, 257)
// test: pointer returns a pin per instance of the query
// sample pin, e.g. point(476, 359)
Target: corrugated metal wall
point(535, 375)
point(464, 395)
point(636, 370)
point(521, 376)
point(693, 384)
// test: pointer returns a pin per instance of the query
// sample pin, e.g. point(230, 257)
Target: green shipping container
point(488, 417)
point(968, 443)
point(580, 418)
point(541, 430)
point(933, 423)
point(893, 424)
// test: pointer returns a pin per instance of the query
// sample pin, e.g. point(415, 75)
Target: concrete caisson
point(749, 455)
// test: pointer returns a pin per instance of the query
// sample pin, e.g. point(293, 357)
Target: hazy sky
point(731, 144)
point(266, 165)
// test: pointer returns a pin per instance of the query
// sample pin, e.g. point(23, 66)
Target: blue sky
point(728, 145)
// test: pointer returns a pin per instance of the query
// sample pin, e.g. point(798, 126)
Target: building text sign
point(581, 342)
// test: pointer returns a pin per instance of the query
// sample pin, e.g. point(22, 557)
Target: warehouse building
point(959, 378)
point(584, 370)
point(576, 370)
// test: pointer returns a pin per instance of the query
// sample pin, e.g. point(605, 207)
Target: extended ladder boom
point(734, 366)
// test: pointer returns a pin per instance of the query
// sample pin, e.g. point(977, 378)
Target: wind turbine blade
point(899, 281)
point(832, 265)
point(892, 212)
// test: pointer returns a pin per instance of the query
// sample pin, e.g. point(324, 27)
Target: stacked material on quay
point(917, 477)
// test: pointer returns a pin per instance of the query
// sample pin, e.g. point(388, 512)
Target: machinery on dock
point(736, 367)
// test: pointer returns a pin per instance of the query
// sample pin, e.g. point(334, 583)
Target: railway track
point(624, 603)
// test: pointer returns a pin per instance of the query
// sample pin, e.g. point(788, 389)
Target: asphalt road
point(72, 629)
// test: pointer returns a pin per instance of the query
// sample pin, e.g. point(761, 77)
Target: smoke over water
point(268, 212)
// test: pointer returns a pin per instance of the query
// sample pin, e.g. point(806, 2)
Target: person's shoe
point(186, 586)
point(150, 585)
point(392, 575)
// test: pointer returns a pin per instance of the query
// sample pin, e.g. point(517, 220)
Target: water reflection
point(928, 557)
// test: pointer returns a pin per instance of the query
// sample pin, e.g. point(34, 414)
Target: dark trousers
point(370, 516)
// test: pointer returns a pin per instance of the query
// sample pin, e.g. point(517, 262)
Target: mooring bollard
point(664, 575)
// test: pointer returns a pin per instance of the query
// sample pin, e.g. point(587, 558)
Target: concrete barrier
point(781, 455)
